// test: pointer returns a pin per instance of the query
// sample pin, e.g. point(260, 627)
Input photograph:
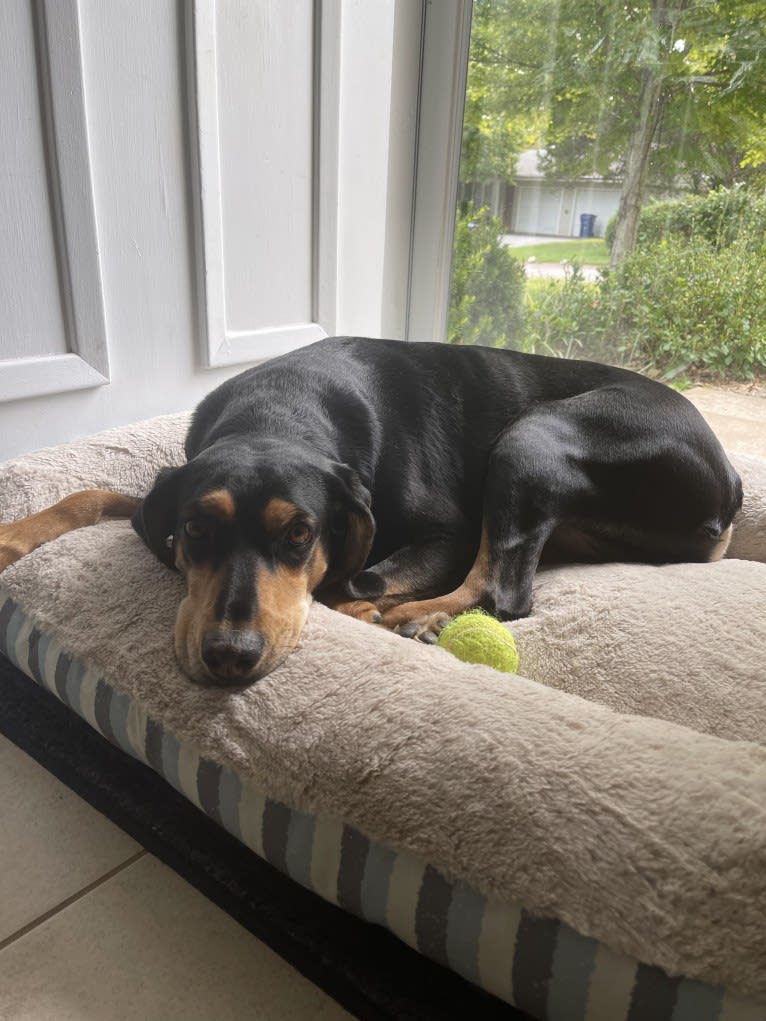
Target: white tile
point(52, 844)
point(145, 946)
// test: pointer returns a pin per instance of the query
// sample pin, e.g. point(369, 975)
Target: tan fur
point(277, 514)
point(466, 595)
point(74, 511)
point(196, 613)
point(219, 503)
point(722, 545)
point(317, 567)
point(360, 609)
point(284, 598)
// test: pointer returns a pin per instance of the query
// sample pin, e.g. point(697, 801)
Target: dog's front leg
point(336, 598)
point(75, 511)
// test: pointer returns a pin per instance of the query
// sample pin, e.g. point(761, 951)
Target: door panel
point(32, 321)
point(52, 328)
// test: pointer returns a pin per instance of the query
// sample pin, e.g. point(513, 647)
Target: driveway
point(557, 270)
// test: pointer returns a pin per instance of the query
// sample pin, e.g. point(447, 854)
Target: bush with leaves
point(691, 297)
point(719, 217)
point(564, 317)
point(487, 287)
point(672, 307)
point(684, 304)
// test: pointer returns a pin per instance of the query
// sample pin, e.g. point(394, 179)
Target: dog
point(402, 483)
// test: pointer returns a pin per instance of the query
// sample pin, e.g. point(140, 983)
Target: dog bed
point(587, 841)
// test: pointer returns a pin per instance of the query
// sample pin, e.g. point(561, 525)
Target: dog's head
point(254, 533)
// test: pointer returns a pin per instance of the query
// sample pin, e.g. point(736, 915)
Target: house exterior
point(536, 204)
point(543, 206)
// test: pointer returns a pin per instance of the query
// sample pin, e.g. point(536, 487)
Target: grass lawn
point(588, 251)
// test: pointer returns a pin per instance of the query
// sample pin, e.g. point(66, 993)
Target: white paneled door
point(52, 332)
point(187, 188)
point(256, 96)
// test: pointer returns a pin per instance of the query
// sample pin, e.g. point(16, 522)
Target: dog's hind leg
point(75, 511)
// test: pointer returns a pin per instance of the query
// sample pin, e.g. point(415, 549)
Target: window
point(602, 183)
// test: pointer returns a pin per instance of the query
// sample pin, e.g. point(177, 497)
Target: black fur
point(432, 443)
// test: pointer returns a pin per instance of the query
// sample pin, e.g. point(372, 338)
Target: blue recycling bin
point(587, 224)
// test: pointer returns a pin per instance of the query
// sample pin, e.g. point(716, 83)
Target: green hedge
point(683, 303)
point(564, 317)
point(719, 217)
point(672, 306)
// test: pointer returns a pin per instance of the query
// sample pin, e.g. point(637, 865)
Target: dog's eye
point(299, 535)
point(194, 529)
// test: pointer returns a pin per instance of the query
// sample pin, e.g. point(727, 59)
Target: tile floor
point(93, 928)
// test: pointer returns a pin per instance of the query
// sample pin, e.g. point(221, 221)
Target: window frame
point(441, 104)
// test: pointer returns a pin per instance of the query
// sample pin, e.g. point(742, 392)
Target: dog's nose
point(231, 656)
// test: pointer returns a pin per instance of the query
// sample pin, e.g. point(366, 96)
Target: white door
point(188, 188)
point(52, 332)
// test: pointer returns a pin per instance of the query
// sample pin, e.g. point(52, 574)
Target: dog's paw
point(10, 551)
point(360, 609)
point(426, 629)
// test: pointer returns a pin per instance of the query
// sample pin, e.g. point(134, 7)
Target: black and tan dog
point(403, 483)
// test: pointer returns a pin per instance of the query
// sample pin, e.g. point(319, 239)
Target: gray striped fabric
point(540, 965)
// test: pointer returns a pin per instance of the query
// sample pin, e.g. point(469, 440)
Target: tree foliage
point(647, 91)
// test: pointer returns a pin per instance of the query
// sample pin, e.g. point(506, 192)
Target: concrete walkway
point(737, 419)
point(557, 271)
point(519, 240)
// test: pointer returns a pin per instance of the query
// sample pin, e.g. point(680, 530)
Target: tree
point(647, 92)
point(660, 45)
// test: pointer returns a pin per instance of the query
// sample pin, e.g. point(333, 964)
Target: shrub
point(691, 296)
point(719, 217)
point(487, 286)
point(671, 306)
point(682, 303)
point(564, 317)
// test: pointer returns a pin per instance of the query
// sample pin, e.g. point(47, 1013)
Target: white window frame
point(444, 69)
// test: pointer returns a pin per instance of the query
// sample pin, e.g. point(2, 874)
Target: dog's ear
point(155, 518)
point(353, 525)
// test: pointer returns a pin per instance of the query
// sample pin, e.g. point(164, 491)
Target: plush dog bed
point(587, 841)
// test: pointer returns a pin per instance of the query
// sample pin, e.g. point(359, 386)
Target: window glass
point(611, 201)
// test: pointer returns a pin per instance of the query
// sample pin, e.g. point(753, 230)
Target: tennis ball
point(475, 637)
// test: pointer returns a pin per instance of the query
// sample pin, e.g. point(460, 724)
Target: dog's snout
point(232, 656)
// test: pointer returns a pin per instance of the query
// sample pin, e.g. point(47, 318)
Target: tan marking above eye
point(219, 503)
point(278, 513)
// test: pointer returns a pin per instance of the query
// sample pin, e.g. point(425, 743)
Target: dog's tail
point(75, 511)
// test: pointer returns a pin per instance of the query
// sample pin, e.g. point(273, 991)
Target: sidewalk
point(556, 271)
